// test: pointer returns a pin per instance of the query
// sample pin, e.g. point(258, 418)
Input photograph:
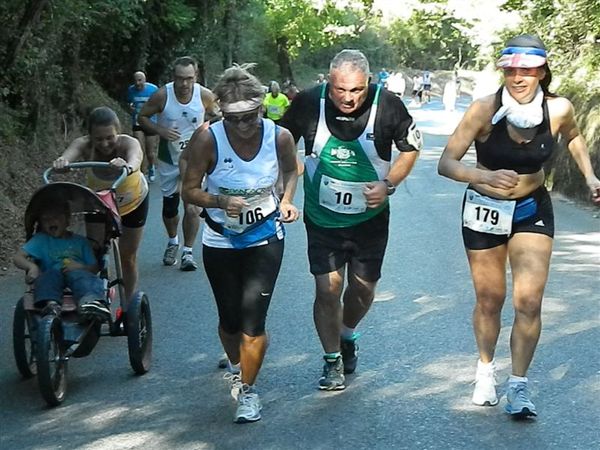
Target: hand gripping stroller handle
point(88, 165)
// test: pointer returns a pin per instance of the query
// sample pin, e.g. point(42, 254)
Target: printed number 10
point(344, 198)
point(487, 213)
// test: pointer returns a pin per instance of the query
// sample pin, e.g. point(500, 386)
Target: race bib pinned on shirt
point(414, 137)
point(488, 215)
point(345, 197)
point(258, 208)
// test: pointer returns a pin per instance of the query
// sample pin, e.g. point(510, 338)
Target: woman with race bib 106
point(242, 157)
point(507, 212)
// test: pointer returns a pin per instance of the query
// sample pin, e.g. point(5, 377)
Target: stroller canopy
point(83, 202)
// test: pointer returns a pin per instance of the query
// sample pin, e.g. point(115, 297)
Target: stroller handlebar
point(87, 165)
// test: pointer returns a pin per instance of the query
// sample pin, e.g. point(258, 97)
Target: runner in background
point(137, 94)
point(182, 106)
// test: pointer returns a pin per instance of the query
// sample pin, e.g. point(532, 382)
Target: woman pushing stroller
point(105, 143)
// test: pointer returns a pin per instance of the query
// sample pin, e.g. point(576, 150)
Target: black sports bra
point(499, 151)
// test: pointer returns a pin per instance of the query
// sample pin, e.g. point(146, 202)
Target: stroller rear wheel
point(24, 343)
point(51, 361)
point(139, 333)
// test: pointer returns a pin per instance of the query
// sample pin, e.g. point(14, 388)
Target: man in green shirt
point(348, 126)
point(275, 103)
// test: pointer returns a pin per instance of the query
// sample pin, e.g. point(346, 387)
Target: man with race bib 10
point(348, 126)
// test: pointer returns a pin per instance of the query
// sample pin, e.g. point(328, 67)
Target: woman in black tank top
point(507, 213)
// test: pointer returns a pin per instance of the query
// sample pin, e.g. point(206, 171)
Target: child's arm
point(22, 261)
point(69, 264)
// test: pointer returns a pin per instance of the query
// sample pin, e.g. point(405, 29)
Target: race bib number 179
point(488, 215)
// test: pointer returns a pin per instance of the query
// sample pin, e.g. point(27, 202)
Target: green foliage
point(570, 30)
point(306, 26)
point(431, 39)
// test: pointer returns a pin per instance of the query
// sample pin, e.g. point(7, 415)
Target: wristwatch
point(390, 187)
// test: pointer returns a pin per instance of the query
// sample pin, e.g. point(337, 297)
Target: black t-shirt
point(391, 122)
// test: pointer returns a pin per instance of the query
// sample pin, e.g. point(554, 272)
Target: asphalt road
point(412, 386)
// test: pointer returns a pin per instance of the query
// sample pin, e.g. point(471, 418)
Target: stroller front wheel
point(139, 333)
point(51, 361)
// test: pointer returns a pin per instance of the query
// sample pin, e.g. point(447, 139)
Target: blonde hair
point(238, 84)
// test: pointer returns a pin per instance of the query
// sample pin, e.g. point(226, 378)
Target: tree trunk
point(283, 59)
point(230, 32)
point(28, 21)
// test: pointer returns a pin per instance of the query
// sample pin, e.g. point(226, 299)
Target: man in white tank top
point(182, 107)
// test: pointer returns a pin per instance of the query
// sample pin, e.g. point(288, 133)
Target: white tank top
point(255, 180)
point(183, 117)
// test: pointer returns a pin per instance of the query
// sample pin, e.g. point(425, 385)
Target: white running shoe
point(485, 385)
point(249, 406)
point(235, 381)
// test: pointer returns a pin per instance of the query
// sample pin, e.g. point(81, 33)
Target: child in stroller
point(54, 258)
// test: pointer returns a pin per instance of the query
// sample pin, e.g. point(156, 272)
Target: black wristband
point(390, 187)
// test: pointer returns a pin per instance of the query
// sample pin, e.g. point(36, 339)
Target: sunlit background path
point(412, 387)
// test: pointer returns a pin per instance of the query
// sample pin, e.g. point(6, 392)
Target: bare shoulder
point(559, 108)
point(82, 145)
point(128, 141)
point(159, 98)
point(206, 94)
point(485, 106)
point(478, 116)
point(81, 141)
point(202, 141)
point(283, 134)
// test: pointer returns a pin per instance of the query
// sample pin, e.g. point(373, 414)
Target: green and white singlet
point(336, 173)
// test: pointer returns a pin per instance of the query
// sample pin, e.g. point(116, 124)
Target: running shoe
point(349, 349)
point(235, 383)
point(96, 308)
point(484, 393)
point(187, 262)
point(170, 256)
point(249, 406)
point(518, 404)
point(151, 174)
point(223, 361)
point(332, 378)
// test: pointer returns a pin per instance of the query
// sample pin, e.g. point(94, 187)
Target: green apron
point(336, 173)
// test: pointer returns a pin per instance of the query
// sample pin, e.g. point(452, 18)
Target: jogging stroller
point(44, 342)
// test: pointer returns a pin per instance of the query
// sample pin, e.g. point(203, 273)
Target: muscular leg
point(488, 269)
point(252, 353)
point(129, 242)
point(327, 310)
point(191, 224)
point(171, 225)
point(150, 149)
point(231, 344)
point(358, 298)
point(529, 256)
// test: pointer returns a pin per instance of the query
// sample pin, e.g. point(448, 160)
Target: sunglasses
point(246, 118)
point(523, 71)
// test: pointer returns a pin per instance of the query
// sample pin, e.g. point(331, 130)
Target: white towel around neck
point(527, 115)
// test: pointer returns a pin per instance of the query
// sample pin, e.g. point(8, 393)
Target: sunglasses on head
point(248, 117)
